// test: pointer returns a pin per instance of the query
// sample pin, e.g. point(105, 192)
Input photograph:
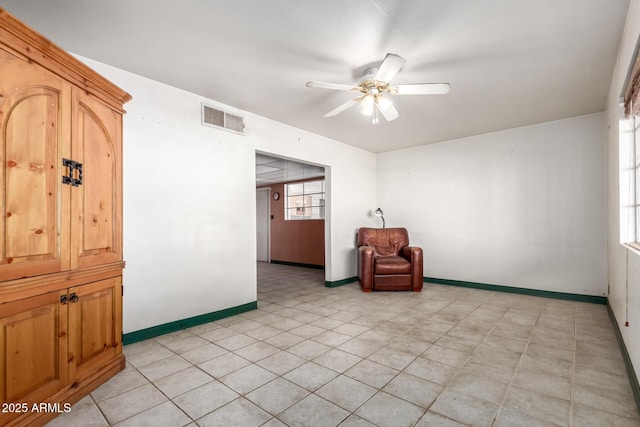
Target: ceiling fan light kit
point(375, 84)
point(367, 105)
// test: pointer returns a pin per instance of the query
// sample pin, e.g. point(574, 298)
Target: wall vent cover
point(221, 119)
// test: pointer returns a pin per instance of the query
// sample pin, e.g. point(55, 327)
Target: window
point(629, 179)
point(629, 133)
point(304, 200)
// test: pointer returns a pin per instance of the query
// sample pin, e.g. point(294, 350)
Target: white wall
point(189, 202)
point(624, 264)
point(522, 207)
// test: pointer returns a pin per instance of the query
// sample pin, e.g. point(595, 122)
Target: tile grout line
point(400, 371)
point(157, 388)
point(467, 359)
point(351, 303)
point(378, 389)
point(95, 402)
point(460, 368)
point(244, 395)
point(193, 366)
point(309, 393)
point(277, 375)
point(573, 367)
point(517, 366)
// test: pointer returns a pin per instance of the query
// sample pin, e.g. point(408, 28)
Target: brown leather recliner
point(386, 262)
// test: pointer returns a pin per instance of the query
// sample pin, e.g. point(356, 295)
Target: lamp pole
point(378, 212)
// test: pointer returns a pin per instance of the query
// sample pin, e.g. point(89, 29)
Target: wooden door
point(95, 325)
point(33, 349)
point(35, 135)
point(96, 203)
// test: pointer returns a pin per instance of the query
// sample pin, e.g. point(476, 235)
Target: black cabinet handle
point(73, 297)
point(63, 299)
point(72, 178)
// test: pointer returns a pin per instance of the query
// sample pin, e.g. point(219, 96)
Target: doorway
point(293, 235)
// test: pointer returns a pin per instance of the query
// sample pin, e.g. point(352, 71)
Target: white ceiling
point(510, 62)
point(272, 170)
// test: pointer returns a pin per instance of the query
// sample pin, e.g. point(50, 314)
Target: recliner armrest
point(365, 267)
point(407, 252)
point(413, 254)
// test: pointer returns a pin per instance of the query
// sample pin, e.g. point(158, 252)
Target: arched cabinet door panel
point(34, 137)
point(96, 203)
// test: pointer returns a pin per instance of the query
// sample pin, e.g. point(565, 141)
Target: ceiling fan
point(375, 84)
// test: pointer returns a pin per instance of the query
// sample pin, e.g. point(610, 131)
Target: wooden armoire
point(60, 227)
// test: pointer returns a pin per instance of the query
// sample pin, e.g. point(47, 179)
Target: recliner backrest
point(384, 241)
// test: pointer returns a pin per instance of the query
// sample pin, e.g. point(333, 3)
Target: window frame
point(628, 157)
point(629, 132)
point(288, 198)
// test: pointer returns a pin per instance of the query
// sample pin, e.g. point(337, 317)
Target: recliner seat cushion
point(391, 265)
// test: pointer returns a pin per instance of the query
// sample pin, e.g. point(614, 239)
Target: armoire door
point(33, 348)
point(96, 213)
point(95, 325)
point(35, 135)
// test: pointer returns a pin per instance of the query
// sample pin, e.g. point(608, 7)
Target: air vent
point(221, 119)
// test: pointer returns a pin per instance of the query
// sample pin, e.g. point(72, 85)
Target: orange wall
point(299, 241)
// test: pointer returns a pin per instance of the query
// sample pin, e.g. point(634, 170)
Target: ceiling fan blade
point(421, 89)
point(390, 112)
point(389, 67)
point(334, 86)
point(350, 103)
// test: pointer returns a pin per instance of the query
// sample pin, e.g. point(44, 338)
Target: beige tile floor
point(314, 356)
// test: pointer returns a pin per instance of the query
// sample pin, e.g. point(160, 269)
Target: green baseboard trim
point(154, 331)
point(523, 291)
point(337, 283)
point(298, 264)
point(631, 373)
